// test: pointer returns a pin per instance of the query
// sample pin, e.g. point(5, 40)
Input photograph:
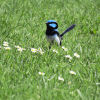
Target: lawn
point(29, 70)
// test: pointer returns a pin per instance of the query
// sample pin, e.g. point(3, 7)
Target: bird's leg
point(51, 44)
point(60, 43)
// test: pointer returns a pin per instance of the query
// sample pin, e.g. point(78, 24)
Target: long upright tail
point(68, 29)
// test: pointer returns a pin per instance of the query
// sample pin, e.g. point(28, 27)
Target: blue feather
point(53, 25)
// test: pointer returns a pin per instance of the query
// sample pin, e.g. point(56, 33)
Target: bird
point(52, 33)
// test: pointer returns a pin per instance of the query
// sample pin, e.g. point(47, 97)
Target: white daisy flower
point(5, 44)
point(7, 48)
point(20, 49)
point(40, 51)
point(0, 47)
point(68, 56)
point(72, 72)
point(34, 50)
point(60, 78)
point(17, 47)
point(76, 55)
point(65, 49)
point(55, 51)
point(41, 73)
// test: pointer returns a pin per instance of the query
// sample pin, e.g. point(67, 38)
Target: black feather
point(68, 29)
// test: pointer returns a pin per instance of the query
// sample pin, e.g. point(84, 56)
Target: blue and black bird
point(52, 33)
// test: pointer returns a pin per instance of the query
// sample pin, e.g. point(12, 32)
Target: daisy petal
point(68, 56)
point(72, 72)
point(41, 73)
point(55, 51)
point(7, 48)
point(60, 78)
point(40, 51)
point(5, 44)
point(34, 50)
point(65, 49)
point(76, 55)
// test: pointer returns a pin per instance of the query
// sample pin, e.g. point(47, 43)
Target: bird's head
point(51, 24)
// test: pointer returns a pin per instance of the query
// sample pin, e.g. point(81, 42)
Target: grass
point(22, 22)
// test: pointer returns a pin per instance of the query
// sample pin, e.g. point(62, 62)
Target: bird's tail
point(67, 30)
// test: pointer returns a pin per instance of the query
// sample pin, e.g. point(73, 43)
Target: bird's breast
point(51, 32)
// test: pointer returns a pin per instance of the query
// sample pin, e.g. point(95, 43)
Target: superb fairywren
point(52, 33)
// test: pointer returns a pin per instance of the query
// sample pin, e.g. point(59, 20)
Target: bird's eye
point(52, 25)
